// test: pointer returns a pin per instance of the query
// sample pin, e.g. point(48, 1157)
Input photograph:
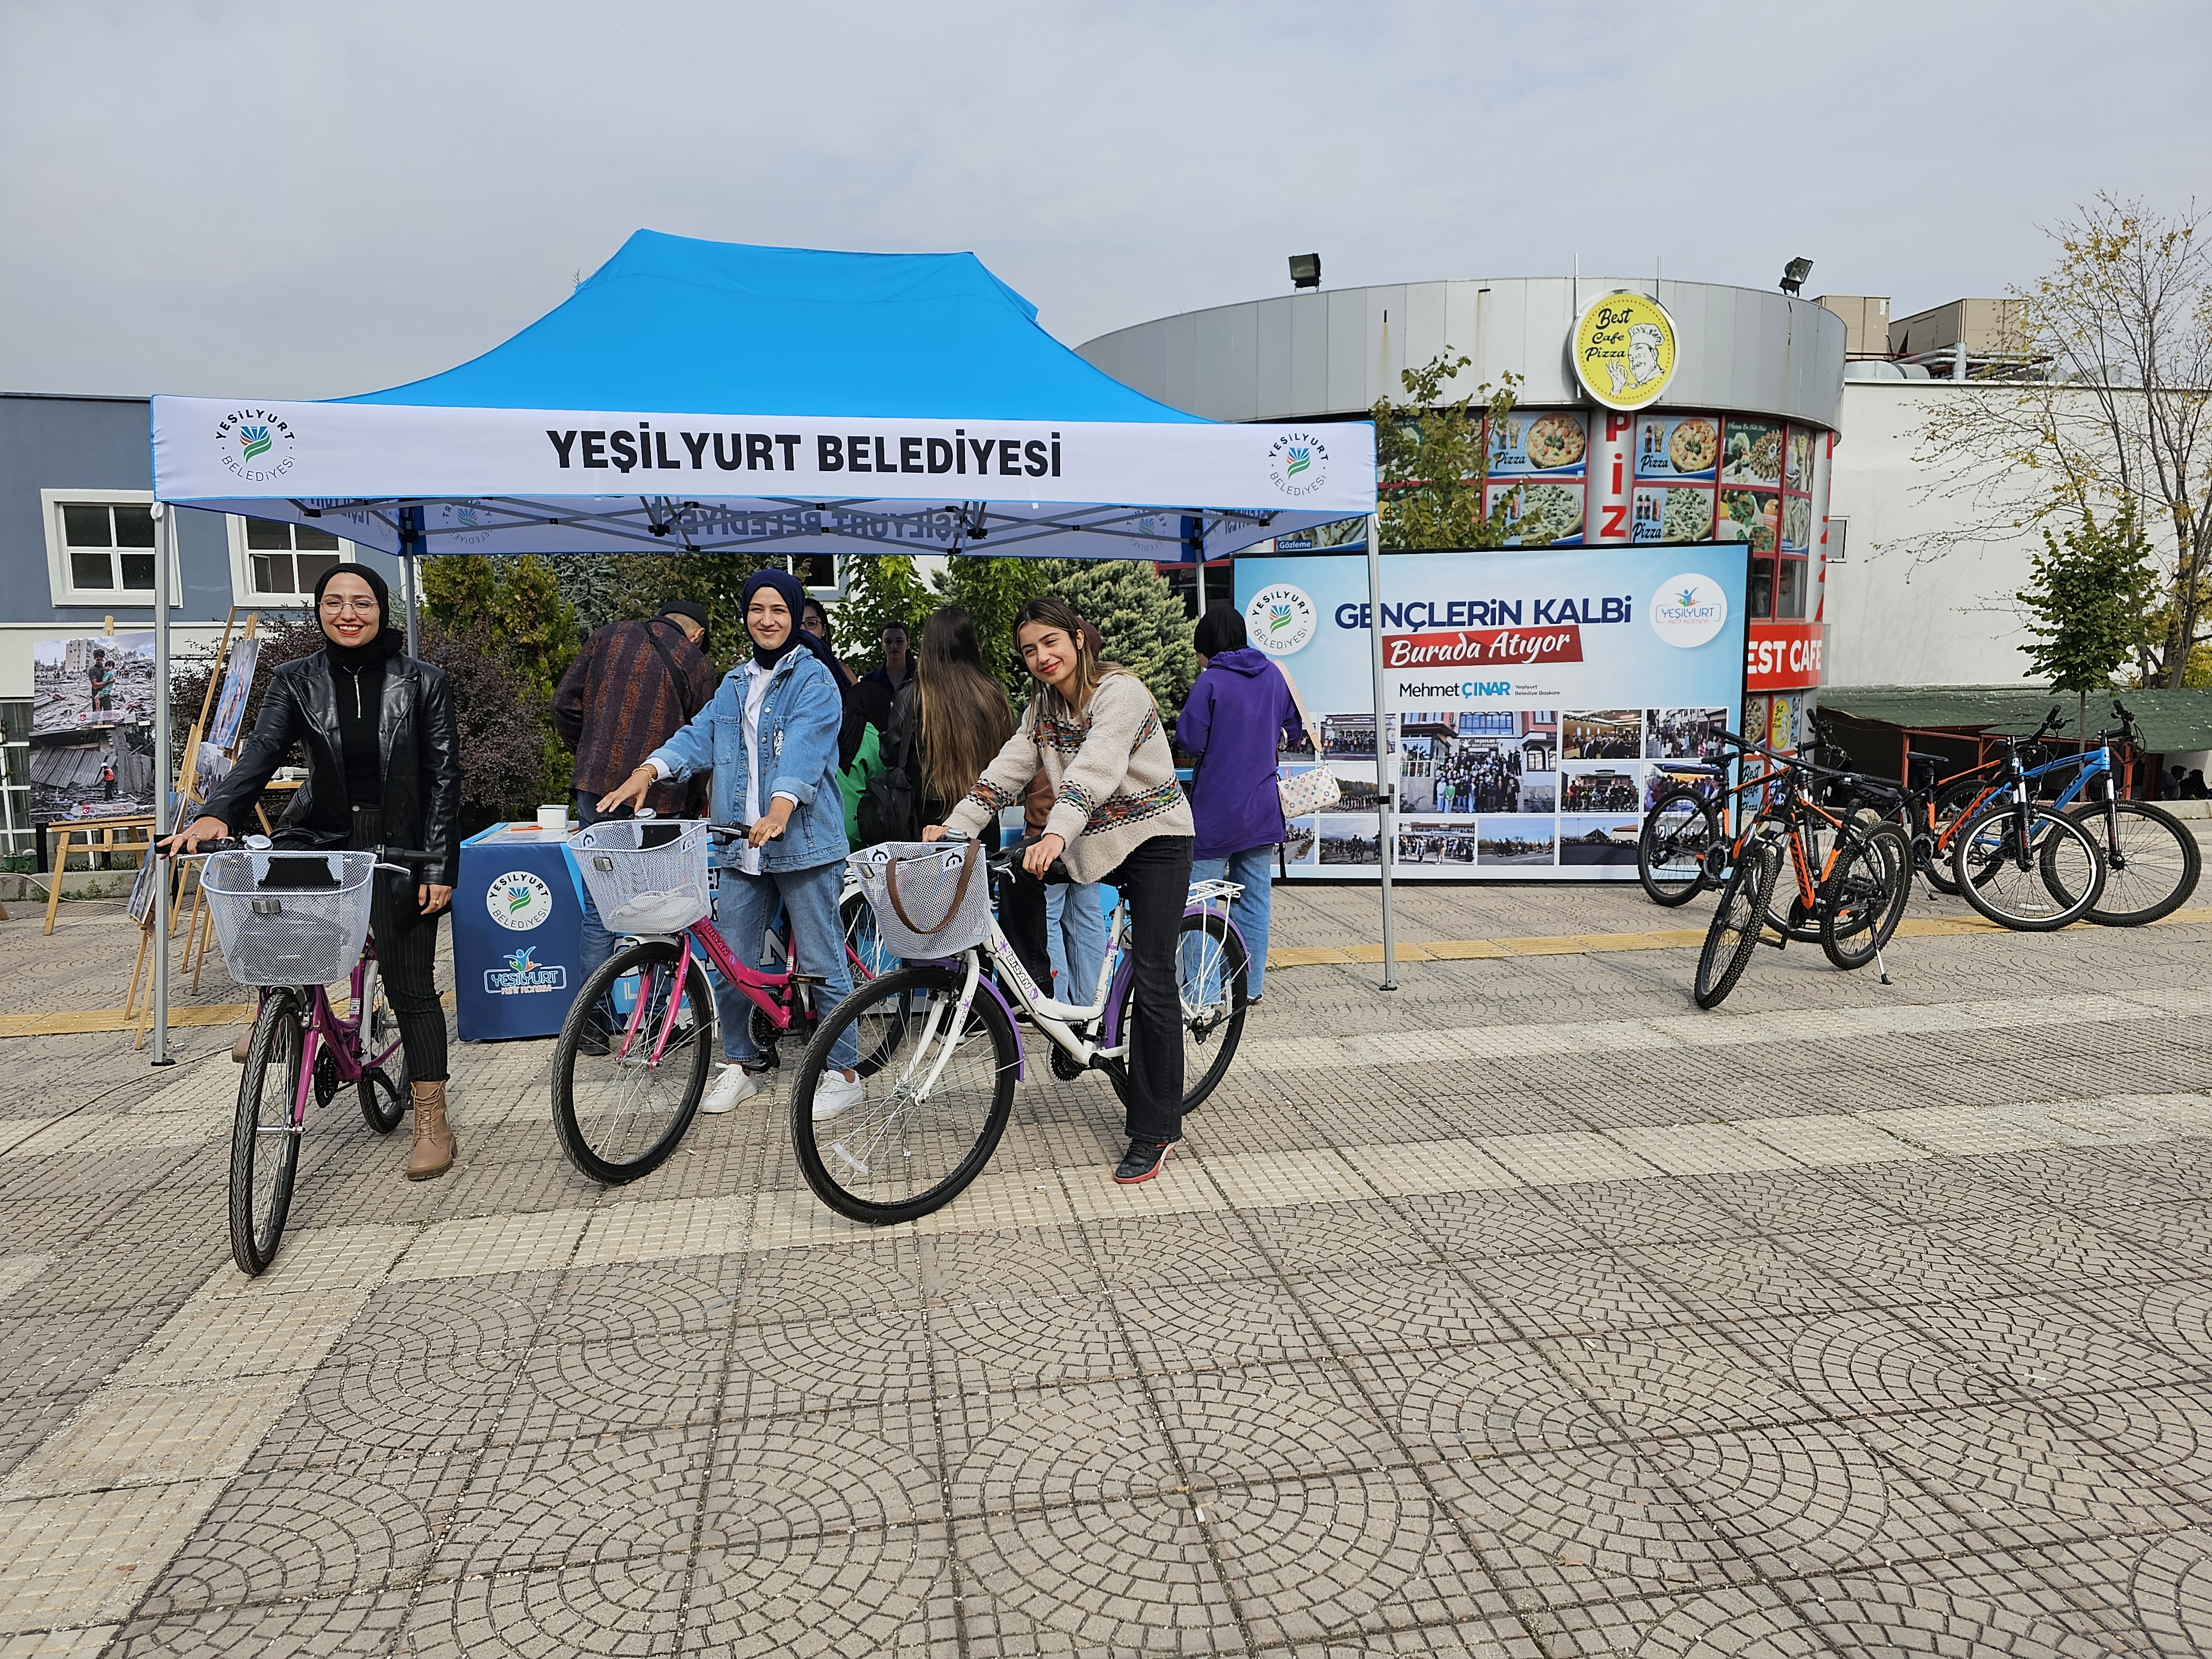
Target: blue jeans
point(744, 908)
point(1075, 934)
point(594, 945)
point(1255, 867)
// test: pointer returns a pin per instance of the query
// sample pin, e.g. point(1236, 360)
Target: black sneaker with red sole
point(1143, 1160)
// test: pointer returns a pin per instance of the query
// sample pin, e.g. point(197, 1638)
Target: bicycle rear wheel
point(264, 1141)
point(1865, 896)
point(1210, 972)
point(2152, 862)
point(934, 1102)
point(2034, 885)
point(1671, 848)
point(384, 1092)
point(619, 1115)
point(1736, 924)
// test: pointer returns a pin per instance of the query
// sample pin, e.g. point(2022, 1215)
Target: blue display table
point(517, 913)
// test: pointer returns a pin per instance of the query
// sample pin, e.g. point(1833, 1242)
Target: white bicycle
point(947, 1055)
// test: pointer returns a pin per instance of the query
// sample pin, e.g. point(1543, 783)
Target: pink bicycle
point(289, 923)
point(632, 1063)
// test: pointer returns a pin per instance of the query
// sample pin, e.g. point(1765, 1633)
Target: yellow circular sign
point(1625, 349)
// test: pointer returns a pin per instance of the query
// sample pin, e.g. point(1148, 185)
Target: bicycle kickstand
point(1881, 966)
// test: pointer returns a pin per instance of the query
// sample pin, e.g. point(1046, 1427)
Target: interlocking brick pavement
point(1524, 1311)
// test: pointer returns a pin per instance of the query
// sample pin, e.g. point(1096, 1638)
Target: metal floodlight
point(1793, 275)
point(1305, 270)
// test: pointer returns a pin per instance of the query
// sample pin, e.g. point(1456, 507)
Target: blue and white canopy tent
point(710, 397)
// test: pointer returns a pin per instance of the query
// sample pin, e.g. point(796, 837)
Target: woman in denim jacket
point(770, 735)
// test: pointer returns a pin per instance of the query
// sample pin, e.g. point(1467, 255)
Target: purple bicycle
point(289, 923)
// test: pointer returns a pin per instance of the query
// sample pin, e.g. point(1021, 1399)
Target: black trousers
point(406, 957)
point(1155, 883)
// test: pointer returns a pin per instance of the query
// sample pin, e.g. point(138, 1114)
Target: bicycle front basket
point(930, 898)
point(641, 889)
point(286, 935)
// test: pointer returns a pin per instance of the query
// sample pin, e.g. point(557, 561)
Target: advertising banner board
point(1534, 700)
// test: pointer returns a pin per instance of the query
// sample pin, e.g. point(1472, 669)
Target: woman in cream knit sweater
point(1118, 815)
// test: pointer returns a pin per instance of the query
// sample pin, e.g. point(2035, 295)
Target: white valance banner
point(550, 481)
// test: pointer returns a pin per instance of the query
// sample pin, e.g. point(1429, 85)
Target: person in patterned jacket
point(1118, 815)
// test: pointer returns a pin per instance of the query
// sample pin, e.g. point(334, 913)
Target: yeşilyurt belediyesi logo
point(1280, 619)
point(1688, 610)
point(1297, 463)
point(256, 445)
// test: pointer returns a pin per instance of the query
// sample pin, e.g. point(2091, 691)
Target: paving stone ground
point(1525, 1310)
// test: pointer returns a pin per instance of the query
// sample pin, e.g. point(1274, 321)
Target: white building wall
point(1895, 616)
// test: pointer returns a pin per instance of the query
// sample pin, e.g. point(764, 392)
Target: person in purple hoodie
point(1234, 725)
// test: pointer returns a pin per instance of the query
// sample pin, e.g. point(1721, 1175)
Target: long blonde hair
point(966, 716)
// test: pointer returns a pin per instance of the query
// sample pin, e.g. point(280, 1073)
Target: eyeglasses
point(359, 607)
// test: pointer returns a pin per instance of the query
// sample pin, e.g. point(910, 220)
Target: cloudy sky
point(312, 199)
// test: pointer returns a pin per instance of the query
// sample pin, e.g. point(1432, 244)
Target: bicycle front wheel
point(1671, 848)
point(1865, 896)
point(619, 1113)
point(2031, 869)
point(1210, 977)
point(385, 1092)
point(930, 1104)
point(264, 1140)
point(1736, 924)
point(2151, 861)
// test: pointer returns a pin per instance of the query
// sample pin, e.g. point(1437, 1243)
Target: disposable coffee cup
point(553, 818)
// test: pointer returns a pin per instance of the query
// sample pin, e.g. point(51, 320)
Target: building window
point(272, 563)
point(817, 573)
point(111, 546)
point(17, 836)
point(1789, 594)
point(276, 563)
point(102, 547)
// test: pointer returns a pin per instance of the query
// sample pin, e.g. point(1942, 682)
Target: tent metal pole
point(1385, 777)
point(161, 895)
point(410, 543)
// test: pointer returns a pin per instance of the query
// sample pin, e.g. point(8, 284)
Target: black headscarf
point(794, 598)
point(387, 643)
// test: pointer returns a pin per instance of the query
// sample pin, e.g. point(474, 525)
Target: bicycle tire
point(1991, 870)
point(1737, 922)
point(264, 1142)
point(379, 1026)
point(1670, 834)
point(620, 1122)
point(1950, 804)
point(869, 1171)
point(1865, 896)
point(1203, 1018)
point(2158, 830)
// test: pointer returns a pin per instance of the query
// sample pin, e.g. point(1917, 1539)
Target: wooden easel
point(198, 925)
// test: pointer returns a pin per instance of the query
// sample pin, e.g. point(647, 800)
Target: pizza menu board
point(1538, 460)
point(1689, 477)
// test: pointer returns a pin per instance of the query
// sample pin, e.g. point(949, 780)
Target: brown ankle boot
point(432, 1153)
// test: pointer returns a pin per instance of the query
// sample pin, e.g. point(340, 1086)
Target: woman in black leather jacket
point(383, 768)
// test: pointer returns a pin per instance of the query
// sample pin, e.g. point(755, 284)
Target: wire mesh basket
point(285, 934)
point(929, 898)
point(645, 889)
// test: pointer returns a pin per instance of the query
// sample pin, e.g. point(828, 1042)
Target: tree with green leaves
point(991, 591)
point(880, 589)
point(516, 601)
point(1140, 617)
point(2087, 604)
point(1433, 461)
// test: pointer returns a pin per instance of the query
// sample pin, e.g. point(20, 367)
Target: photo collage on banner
point(1537, 702)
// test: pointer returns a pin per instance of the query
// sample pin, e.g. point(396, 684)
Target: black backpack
point(888, 811)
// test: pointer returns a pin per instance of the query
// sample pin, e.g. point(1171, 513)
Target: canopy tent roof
point(715, 397)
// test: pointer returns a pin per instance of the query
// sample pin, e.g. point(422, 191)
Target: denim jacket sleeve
point(691, 750)
point(805, 739)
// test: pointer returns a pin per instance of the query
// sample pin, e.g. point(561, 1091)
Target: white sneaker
point(836, 1095)
point(733, 1088)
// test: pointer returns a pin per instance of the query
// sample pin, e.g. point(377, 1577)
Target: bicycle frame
point(344, 1037)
